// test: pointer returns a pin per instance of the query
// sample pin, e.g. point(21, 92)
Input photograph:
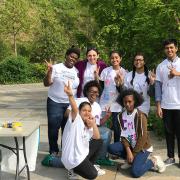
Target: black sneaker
point(169, 161)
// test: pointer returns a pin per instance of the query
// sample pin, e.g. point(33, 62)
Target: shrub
point(15, 70)
point(155, 124)
point(39, 71)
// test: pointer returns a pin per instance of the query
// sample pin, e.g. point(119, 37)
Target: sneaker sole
point(169, 164)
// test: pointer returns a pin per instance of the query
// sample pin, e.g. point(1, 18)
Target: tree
point(15, 20)
point(136, 25)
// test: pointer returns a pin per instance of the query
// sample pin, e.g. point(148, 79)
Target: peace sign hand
point(49, 65)
point(108, 112)
point(152, 77)
point(96, 73)
point(68, 89)
point(119, 79)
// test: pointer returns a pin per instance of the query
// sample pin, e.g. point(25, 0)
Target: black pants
point(86, 169)
point(171, 120)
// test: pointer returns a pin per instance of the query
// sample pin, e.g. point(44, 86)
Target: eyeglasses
point(94, 92)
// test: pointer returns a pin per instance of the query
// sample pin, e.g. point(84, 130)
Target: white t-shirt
point(88, 74)
point(110, 93)
point(128, 130)
point(96, 109)
point(60, 75)
point(141, 86)
point(75, 142)
point(170, 87)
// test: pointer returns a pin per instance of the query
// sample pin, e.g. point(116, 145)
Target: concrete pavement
point(28, 102)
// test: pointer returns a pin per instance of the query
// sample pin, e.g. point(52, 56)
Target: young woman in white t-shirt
point(78, 152)
point(110, 93)
point(141, 80)
point(57, 101)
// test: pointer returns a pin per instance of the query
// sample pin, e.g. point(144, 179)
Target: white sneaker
point(126, 165)
point(160, 165)
point(99, 170)
point(72, 175)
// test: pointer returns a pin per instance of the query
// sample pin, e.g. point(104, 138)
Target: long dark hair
point(146, 71)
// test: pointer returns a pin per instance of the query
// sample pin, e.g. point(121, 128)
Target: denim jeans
point(141, 163)
point(55, 114)
point(116, 127)
point(106, 135)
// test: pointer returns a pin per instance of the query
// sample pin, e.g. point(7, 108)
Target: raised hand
point(49, 65)
point(90, 122)
point(96, 73)
point(108, 112)
point(68, 89)
point(152, 77)
point(119, 78)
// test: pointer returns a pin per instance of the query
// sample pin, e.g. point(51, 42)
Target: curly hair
point(138, 98)
point(73, 49)
point(90, 84)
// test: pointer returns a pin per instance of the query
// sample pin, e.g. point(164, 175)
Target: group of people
point(84, 95)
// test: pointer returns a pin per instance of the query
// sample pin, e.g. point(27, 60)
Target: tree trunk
point(15, 45)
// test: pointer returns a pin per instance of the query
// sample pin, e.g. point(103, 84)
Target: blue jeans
point(116, 127)
point(141, 163)
point(55, 114)
point(106, 135)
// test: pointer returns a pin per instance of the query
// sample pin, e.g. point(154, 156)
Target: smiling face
point(71, 59)
point(170, 51)
point(115, 59)
point(93, 94)
point(139, 62)
point(92, 57)
point(85, 112)
point(128, 102)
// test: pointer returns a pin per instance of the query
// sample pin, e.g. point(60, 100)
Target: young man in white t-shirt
point(168, 97)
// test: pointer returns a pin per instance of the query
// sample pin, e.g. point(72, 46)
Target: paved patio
point(28, 102)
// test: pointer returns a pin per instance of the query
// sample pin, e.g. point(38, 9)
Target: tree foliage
point(136, 25)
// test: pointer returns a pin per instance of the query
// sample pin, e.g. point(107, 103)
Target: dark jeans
point(106, 135)
point(116, 127)
point(141, 163)
point(55, 114)
point(86, 169)
point(171, 119)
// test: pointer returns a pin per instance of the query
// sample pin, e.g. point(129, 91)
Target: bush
point(155, 124)
point(15, 70)
point(39, 71)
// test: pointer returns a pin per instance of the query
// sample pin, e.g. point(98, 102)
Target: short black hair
point(73, 50)
point(138, 98)
point(92, 48)
point(90, 84)
point(84, 104)
point(170, 41)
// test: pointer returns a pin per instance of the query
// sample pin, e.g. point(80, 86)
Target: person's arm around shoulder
point(47, 80)
point(68, 91)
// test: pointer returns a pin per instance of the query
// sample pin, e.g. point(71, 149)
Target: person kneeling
point(135, 144)
point(81, 141)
